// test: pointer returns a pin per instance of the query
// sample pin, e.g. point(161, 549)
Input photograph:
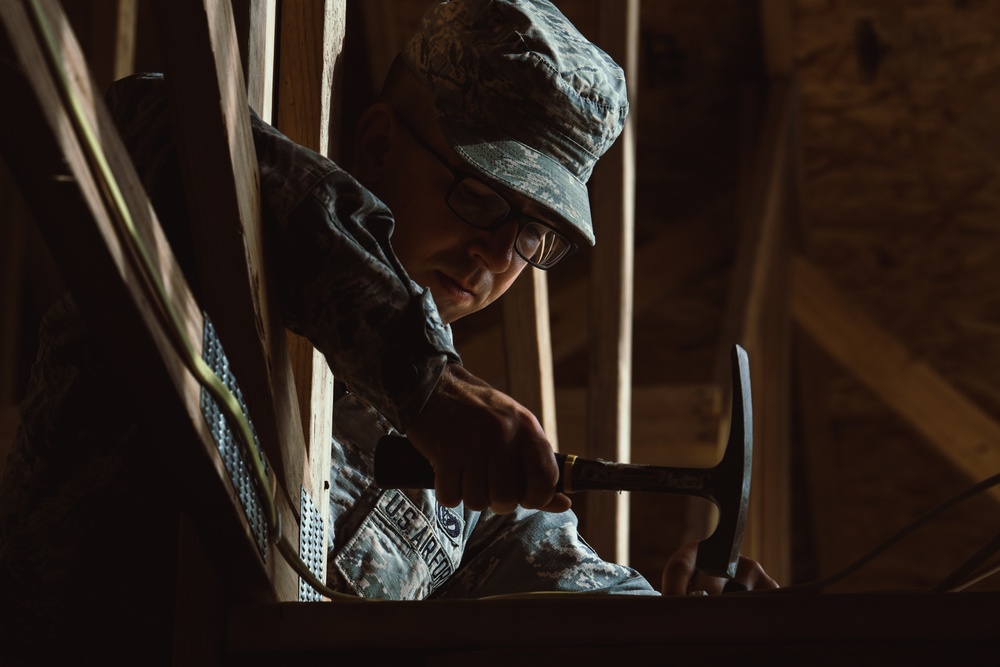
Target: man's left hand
point(680, 577)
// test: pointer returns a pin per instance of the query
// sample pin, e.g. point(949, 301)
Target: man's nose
point(495, 247)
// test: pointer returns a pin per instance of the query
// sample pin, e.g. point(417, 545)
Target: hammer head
point(719, 554)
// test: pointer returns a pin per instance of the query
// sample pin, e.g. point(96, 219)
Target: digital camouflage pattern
point(522, 96)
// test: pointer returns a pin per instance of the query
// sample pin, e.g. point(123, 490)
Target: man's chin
point(450, 312)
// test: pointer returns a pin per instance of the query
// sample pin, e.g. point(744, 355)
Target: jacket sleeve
point(341, 285)
point(338, 282)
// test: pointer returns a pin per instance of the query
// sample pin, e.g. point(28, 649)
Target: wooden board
point(863, 629)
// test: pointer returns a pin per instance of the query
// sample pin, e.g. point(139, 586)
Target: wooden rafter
point(961, 431)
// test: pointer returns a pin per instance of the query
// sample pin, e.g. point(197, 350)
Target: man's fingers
point(475, 483)
point(680, 570)
point(505, 482)
point(541, 475)
point(751, 574)
point(680, 576)
point(448, 483)
point(560, 503)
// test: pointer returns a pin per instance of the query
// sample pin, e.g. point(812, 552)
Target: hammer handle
point(399, 465)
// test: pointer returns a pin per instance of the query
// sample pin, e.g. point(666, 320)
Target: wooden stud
point(312, 36)
point(111, 59)
point(610, 384)
point(255, 32)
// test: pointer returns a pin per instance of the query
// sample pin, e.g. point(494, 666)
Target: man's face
point(466, 268)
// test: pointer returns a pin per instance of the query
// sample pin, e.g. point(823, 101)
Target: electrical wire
point(826, 582)
point(984, 573)
point(958, 578)
point(170, 321)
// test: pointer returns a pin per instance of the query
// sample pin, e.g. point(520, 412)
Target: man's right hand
point(487, 450)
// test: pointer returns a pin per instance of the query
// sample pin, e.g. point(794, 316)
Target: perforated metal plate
point(310, 545)
point(229, 446)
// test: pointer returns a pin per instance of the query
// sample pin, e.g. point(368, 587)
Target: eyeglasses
point(481, 206)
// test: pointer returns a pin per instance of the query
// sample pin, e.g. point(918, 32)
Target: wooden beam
point(219, 166)
point(610, 384)
point(112, 40)
point(528, 347)
point(312, 36)
point(86, 236)
point(963, 433)
point(255, 32)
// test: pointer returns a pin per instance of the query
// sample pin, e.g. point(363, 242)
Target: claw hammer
point(399, 465)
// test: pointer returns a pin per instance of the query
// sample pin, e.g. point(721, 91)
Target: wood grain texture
point(311, 39)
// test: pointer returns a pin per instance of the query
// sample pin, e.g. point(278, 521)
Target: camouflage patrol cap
point(522, 97)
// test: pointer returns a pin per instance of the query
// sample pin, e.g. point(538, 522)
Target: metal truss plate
point(311, 530)
point(229, 446)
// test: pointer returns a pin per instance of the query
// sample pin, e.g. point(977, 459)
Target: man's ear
point(373, 140)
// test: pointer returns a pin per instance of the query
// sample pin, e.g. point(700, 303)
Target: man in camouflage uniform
point(486, 132)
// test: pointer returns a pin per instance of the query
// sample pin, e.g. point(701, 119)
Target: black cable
point(825, 582)
point(959, 577)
